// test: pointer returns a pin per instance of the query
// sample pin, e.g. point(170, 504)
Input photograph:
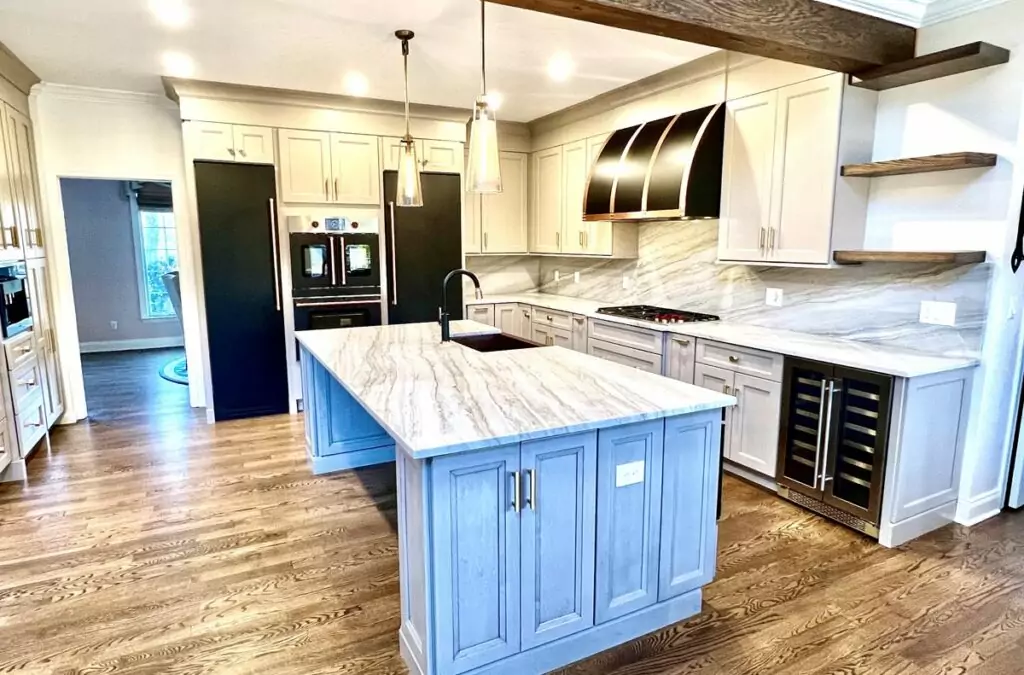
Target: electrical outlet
point(558, 276)
point(576, 277)
point(938, 313)
point(773, 297)
point(627, 282)
point(113, 325)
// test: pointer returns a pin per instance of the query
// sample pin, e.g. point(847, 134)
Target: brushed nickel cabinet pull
point(485, 240)
point(327, 189)
point(533, 489)
point(515, 492)
point(771, 239)
point(231, 151)
point(242, 153)
point(337, 192)
point(725, 389)
point(682, 343)
point(558, 240)
point(760, 240)
point(734, 359)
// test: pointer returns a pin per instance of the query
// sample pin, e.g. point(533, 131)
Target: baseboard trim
point(352, 460)
point(131, 345)
point(892, 535)
point(984, 506)
point(749, 476)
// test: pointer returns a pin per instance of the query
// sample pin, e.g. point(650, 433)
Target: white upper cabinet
point(783, 200)
point(254, 144)
point(355, 173)
point(575, 170)
point(318, 167)
point(747, 177)
point(599, 237)
point(231, 142)
point(503, 222)
point(22, 159)
point(547, 187)
point(805, 171)
point(434, 156)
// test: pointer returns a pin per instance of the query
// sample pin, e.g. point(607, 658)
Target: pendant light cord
point(405, 66)
point(483, 49)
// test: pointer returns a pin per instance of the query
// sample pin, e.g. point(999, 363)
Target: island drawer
point(627, 336)
point(20, 350)
point(552, 318)
point(31, 423)
point(25, 381)
point(627, 356)
point(741, 359)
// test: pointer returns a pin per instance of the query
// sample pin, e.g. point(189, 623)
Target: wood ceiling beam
point(799, 31)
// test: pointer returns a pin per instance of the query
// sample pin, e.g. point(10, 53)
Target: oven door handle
point(344, 274)
point(334, 264)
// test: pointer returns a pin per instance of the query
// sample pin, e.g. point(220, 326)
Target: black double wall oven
point(335, 265)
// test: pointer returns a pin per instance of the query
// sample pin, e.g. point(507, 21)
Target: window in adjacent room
point(157, 248)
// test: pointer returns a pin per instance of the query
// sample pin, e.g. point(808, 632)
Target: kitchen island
point(550, 505)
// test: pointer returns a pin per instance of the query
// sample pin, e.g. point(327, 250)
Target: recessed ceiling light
point(356, 84)
point(561, 67)
point(177, 64)
point(495, 99)
point(171, 13)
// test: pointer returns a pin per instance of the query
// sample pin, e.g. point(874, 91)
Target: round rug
point(176, 371)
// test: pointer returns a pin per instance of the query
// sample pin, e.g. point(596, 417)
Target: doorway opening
point(123, 250)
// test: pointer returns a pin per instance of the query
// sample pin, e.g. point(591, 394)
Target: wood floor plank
point(148, 542)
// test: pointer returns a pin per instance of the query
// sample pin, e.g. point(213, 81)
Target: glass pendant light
point(410, 192)
point(484, 173)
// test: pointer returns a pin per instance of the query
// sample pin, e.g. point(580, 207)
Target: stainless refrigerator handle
point(828, 428)
point(817, 440)
point(273, 254)
point(344, 274)
point(334, 264)
point(394, 271)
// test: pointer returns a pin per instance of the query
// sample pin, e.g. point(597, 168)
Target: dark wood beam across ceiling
point(799, 31)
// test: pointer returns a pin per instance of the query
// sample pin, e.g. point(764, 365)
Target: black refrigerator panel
point(241, 280)
point(423, 244)
point(803, 432)
point(854, 470)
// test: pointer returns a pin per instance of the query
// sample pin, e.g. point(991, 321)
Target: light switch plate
point(630, 473)
point(938, 313)
point(575, 277)
point(558, 276)
point(627, 282)
point(773, 297)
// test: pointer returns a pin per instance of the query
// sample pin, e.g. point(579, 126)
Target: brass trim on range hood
point(689, 174)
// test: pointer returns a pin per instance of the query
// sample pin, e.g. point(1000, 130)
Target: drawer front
point(553, 318)
point(741, 359)
point(26, 381)
point(31, 423)
point(548, 335)
point(627, 356)
point(20, 350)
point(481, 313)
point(679, 357)
point(628, 336)
point(6, 449)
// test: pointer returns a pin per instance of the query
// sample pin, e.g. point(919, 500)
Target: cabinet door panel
point(718, 379)
point(747, 177)
point(481, 313)
point(599, 238)
point(579, 334)
point(551, 336)
point(254, 144)
point(755, 424)
point(472, 223)
point(629, 462)
point(22, 145)
point(574, 187)
point(343, 425)
point(441, 156)
point(9, 216)
point(506, 318)
point(305, 166)
point(476, 558)
point(689, 504)
point(546, 228)
point(504, 214)
point(805, 170)
point(680, 359)
point(213, 141)
point(557, 535)
point(355, 169)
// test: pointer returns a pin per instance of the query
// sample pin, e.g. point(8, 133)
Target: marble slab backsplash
point(504, 274)
point(877, 303)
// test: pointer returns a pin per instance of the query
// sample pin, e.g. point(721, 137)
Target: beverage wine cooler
point(833, 441)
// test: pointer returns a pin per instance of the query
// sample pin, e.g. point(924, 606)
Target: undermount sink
point(494, 342)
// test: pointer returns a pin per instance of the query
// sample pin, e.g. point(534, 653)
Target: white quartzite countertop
point(436, 399)
point(850, 353)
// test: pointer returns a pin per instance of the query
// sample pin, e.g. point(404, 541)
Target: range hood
point(668, 169)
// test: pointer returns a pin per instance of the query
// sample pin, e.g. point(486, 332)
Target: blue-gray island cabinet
point(550, 505)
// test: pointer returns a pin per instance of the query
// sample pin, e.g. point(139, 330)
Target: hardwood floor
point(150, 542)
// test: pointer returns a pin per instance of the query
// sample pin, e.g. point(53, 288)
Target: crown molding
point(15, 71)
point(177, 88)
point(915, 13)
point(97, 95)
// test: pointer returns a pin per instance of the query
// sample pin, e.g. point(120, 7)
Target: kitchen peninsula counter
point(551, 505)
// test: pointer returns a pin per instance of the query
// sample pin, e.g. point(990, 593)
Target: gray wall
point(104, 277)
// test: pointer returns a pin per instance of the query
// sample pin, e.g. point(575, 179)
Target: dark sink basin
point(496, 342)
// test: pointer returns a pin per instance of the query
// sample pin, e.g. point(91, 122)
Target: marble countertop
point(850, 353)
point(439, 398)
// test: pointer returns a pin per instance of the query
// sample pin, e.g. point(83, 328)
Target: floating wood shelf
point(931, 66)
point(930, 257)
point(899, 167)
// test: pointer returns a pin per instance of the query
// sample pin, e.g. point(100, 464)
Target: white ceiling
point(310, 44)
point(916, 13)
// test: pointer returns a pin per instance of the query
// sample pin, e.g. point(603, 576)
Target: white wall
point(974, 209)
point(89, 133)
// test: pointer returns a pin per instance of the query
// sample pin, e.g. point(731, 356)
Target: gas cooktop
point(656, 314)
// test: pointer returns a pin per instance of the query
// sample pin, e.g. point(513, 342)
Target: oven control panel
point(333, 224)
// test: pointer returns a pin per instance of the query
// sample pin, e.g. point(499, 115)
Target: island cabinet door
point(475, 516)
point(629, 460)
point(342, 424)
point(557, 532)
point(689, 503)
